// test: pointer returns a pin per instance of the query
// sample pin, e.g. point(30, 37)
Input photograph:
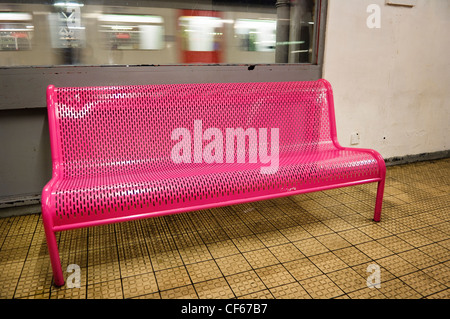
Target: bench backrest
point(113, 129)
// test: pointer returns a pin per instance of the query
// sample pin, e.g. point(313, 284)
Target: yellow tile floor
point(318, 245)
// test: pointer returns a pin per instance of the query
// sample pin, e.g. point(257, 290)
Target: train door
point(200, 36)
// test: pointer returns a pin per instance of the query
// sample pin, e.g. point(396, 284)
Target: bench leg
point(379, 201)
point(54, 257)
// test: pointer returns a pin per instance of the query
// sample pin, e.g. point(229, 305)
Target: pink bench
point(129, 152)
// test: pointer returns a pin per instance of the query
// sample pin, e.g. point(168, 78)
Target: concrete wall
point(391, 84)
point(25, 159)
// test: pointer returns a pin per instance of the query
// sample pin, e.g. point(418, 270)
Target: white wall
point(391, 82)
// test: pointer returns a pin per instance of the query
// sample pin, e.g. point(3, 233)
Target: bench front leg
point(379, 201)
point(54, 258)
point(52, 245)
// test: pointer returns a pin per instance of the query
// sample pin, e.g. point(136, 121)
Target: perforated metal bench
point(113, 151)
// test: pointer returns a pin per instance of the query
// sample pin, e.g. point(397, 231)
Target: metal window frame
point(34, 79)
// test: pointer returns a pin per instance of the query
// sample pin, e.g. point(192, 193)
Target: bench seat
point(100, 199)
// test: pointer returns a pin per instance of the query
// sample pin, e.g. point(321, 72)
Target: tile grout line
point(25, 260)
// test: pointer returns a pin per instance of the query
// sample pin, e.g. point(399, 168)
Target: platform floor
point(317, 245)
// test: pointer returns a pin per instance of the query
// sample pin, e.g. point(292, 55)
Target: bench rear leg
point(379, 201)
point(52, 245)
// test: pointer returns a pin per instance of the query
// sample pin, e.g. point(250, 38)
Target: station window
point(132, 32)
point(154, 42)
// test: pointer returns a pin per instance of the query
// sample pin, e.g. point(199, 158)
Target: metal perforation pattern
point(116, 146)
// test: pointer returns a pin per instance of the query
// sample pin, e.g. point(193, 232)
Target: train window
point(132, 32)
point(200, 33)
point(16, 31)
point(256, 35)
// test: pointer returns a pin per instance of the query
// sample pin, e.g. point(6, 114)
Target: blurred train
point(72, 33)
